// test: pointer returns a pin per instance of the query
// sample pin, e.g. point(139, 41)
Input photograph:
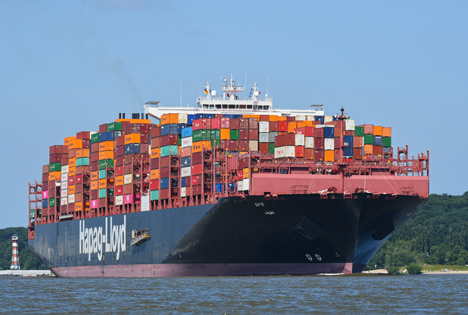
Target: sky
point(69, 66)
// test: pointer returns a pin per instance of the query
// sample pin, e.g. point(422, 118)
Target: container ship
point(231, 187)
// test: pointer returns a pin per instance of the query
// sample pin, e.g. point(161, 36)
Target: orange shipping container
point(291, 126)
point(301, 124)
point(132, 138)
point(200, 145)
point(273, 118)
point(71, 171)
point(154, 174)
point(225, 134)
point(386, 132)
point(282, 118)
point(329, 155)
point(80, 153)
point(135, 121)
point(94, 184)
point(78, 206)
point(155, 153)
point(72, 162)
point(94, 175)
point(102, 183)
point(119, 180)
point(169, 119)
point(66, 141)
point(377, 130)
point(245, 173)
point(368, 149)
point(71, 189)
point(309, 123)
point(75, 143)
point(106, 155)
point(106, 146)
point(55, 175)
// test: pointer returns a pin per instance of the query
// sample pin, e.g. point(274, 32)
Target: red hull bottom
point(188, 270)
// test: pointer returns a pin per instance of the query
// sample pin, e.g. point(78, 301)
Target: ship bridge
point(230, 103)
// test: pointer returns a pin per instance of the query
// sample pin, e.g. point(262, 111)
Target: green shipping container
point(386, 141)
point(368, 139)
point(173, 149)
point(103, 163)
point(215, 134)
point(52, 201)
point(32, 214)
point(95, 138)
point(215, 143)
point(271, 148)
point(102, 174)
point(114, 126)
point(102, 193)
point(82, 161)
point(359, 131)
point(55, 167)
point(234, 134)
point(197, 135)
point(154, 195)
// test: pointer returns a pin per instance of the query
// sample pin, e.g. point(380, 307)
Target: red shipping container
point(45, 168)
point(240, 175)
point(155, 142)
point(318, 143)
point(225, 122)
point(291, 118)
point(128, 169)
point(299, 131)
point(71, 180)
point(233, 145)
point(319, 132)
point(103, 128)
point(55, 158)
point(144, 148)
point(299, 151)
point(65, 159)
point(154, 164)
point(264, 148)
point(243, 134)
point(144, 138)
point(318, 155)
point(253, 123)
point(83, 135)
point(94, 166)
point(197, 124)
point(197, 190)
point(197, 158)
point(164, 172)
point(196, 180)
point(164, 162)
point(235, 123)
point(55, 149)
point(128, 159)
point(128, 189)
point(145, 128)
point(377, 150)
point(94, 194)
point(243, 145)
point(225, 144)
point(118, 191)
point(94, 147)
point(309, 131)
point(206, 123)
point(253, 134)
point(309, 154)
point(290, 139)
point(337, 155)
point(119, 151)
point(78, 189)
point(243, 123)
point(280, 140)
point(349, 133)
point(45, 185)
point(119, 160)
point(282, 126)
point(216, 123)
point(164, 194)
point(154, 184)
point(197, 169)
point(118, 170)
point(337, 143)
point(273, 126)
point(119, 141)
point(78, 179)
point(169, 140)
point(155, 131)
point(132, 128)
point(264, 117)
point(85, 144)
point(102, 202)
point(357, 153)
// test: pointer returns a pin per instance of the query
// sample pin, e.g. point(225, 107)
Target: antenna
point(267, 86)
point(245, 85)
point(180, 92)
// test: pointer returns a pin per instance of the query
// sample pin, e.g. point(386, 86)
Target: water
point(237, 295)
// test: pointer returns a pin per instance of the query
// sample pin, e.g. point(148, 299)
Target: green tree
point(414, 269)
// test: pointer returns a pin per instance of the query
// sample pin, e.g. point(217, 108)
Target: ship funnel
point(120, 115)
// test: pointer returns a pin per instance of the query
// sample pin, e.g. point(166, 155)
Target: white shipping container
point(186, 142)
point(64, 185)
point(300, 117)
point(186, 171)
point(64, 194)
point(64, 169)
point(246, 184)
point(182, 119)
point(145, 202)
point(320, 126)
point(310, 117)
point(92, 133)
point(349, 124)
point(128, 179)
point(183, 192)
point(329, 144)
point(63, 201)
point(64, 177)
point(253, 145)
point(263, 137)
point(240, 185)
point(71, 198)
point(309, 142)
point(300, 141)
point(264, 126)
point(328, 119)
point(280, 152)
point(118, 200)
point(290, 151)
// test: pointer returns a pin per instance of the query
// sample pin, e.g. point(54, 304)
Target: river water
point(363, 294)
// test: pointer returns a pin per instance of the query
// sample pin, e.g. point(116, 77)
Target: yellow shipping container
point(225, 134)
point(329, 155)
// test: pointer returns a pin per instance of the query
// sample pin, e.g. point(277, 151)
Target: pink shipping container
point(137, 198)
point(206, 123)
point(197, 124)
point(368, 129)
point(93, 204)
point(184, 152)
point(216, 123)
point(225, 123)
point(128, 199)
point(45, 194)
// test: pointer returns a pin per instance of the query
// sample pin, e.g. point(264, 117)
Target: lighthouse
point(15, 265)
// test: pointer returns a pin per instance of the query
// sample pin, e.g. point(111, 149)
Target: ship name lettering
point(94, 241)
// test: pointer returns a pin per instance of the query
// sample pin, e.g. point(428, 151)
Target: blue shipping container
point(187, 132)
point(180, 127)
point(106, 136)
point(198, 116)
point(132, 148)
point(220, 188)
point(348, 141)
point(183, 181)
point(377, 140)
point(190, 119)
point(320, 119)
point(208, 116)
point(45, 203)
point(329, 132)
point(348, 152)
point(164, 183)
point(186, 161)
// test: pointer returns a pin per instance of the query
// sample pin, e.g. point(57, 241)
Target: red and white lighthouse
point(15, 265)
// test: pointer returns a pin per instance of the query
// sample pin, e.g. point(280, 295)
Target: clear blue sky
point(68, 66)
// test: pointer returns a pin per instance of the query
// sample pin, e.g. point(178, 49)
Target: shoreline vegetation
point(434, 239)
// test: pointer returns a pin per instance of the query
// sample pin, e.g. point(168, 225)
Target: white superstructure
point(230, 103)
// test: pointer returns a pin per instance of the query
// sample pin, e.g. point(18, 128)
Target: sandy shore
point(449, 272)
